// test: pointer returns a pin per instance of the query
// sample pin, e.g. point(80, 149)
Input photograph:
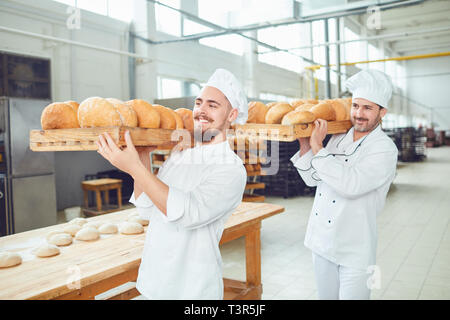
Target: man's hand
point(127, 160)
point(304, 145)
point(318, 135)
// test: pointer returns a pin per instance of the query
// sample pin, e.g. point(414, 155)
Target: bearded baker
point(190, 199)
point(352, 174)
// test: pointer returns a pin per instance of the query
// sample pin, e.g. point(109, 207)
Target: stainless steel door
point(4, 212)
point(25, 115)
point(34, 202)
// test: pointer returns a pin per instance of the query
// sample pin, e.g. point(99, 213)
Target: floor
point(413, 239)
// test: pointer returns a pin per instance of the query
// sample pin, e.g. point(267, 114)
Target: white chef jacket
point(352, 180)
point(181, 257)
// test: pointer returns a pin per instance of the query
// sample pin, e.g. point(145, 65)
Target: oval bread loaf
point(298, 116)
point(58, 115)
point(98, 112)
point(277, 112)
point(257, 112)
point(127, 114)
point(187, 117)
point(147, 116)
point(324, 110)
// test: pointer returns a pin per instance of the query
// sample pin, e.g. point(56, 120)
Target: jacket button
point(329, 221)
point(320, 194)
point(334, 201)
point(316, 214)
point(346, 160)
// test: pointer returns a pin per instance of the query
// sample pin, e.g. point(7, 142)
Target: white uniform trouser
point(338, 282)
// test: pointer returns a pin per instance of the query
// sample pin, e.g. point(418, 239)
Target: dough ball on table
point(167, 118)
point(305, 107)
point(147, 116)
point(187, 117)
point(87, 234)
point(277, 112)
point(72, 229)
point(339, 109)
point(98, 112)
point(78, 221)
point(131, 228)
point(93, 224)
point(60, 239)
point(46, 250)
point(138, 219)
point(58, 115)
point(126, 112)
point(257, 112)
point(324, 111)
point(108, 228)
point(9, 259)
point(298, 116)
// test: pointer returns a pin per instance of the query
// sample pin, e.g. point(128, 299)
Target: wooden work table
point(84, 270)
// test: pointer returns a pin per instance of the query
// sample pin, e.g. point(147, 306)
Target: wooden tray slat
point(286, 133)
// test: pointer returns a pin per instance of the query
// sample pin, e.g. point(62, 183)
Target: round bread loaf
point(324, 110)
point(277, 112)
point(178, 120)
point(187, 117)
point(58, 115)
point(298, 116)
point(339, 109)
point(147, 116)
point(98, 112)
point(271, 104)
point(257, 112)
point(167, 118)
point(305, 107)
point(73, 104)
point(127, 115)
point(347, 102)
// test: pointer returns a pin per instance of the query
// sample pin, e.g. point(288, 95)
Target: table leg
point(119, 197)
point(253, 257)
point(99, 200)
point(106, 197)
point(86, 199)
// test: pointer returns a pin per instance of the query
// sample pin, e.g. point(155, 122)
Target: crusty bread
point(324, 110)
point(277, 112)
point(298, 116)
point(167, 118)
point(73, 104)
point(305, 107)
point(147, 115)
point(187, 117)
point(58, 115)
point(271, 104)
point(339, 109)
point(178, 120)
point(127, 115)
point(347, 102)
point(299, 102)
point(98, 112)
point(257, 112)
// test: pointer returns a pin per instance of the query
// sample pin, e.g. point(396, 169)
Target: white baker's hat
point(227, 83)
point(372, 85)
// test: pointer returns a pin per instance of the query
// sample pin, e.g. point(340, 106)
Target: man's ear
point(233, 115)
point(383, 112)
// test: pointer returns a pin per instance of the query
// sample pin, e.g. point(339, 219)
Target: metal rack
point(410, 143)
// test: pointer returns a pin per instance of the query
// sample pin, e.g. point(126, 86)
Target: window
point(190, 27)
point(169, 88)
point(168, 20)
point(232, 43)
point(274, 97)
point(116, 9)
point(120, 10)
point(97, 6)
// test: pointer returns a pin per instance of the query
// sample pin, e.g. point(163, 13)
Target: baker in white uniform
point(352, 174)
point(190, 199)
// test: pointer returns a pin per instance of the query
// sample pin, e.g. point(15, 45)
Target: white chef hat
point(372, 85)
point(227, 83)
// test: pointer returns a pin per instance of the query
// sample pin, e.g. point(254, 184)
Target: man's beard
point(369, 127)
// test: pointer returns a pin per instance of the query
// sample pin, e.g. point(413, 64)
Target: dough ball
point(187, 117)
point(93, 224)
point(73, 104)
point(277, 112)
point(72, 229)
point(78, 221)
point(257, 112)
point(126, 112)
point(87, 234)
point(138, 219)
point(108, 228)
point(98, 112)
point(60, 239)
point(58, 115)
point(46, 250)
point(131, 228)
point(9, 259)
point(167, 118)
point(147, 116)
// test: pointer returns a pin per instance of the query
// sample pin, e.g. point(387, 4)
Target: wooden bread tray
point(83, 139)
point(286, 133)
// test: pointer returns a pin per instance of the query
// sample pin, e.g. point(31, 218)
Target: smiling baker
point(352, 174)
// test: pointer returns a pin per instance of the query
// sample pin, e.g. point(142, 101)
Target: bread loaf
point(339, 109)
point(257, 112)
point(298, 116)
point(167, 118)
point(305, 107)
point(178, 120)
point(98, 112)
point(147, 116)
point(127, 115)
point(73, 104)
point(58, 115)
point(299, 102)
point(271, 104)
point(187, 117)
point(325, 111)
point(277, 112)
